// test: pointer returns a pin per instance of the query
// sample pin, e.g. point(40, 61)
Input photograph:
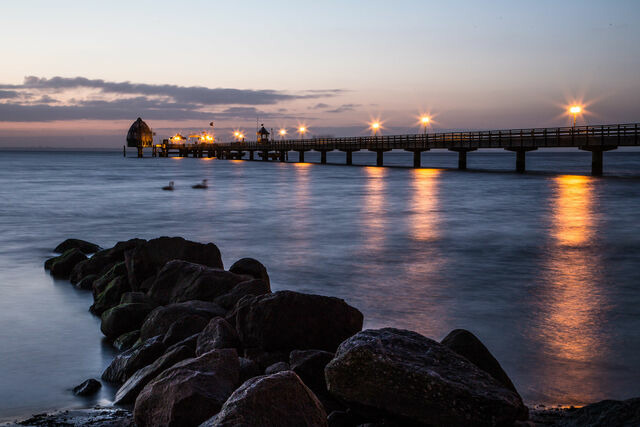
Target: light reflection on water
point(543, 268)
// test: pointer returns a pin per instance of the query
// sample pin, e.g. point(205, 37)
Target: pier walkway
point(596, 139)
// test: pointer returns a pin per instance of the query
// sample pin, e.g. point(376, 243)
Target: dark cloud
point(8, 94)
point(343, 108)
point(319, 106)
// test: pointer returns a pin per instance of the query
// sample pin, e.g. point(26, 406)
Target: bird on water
point(203, 184)
point(168, 187)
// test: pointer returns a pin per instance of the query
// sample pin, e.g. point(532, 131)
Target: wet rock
point(189, 342)
point(180, 281)
point(607, 413)
point(97, 416)
point(134, 385)
point(408, 376)
point(124, 318)
point(189, 392)
point(127, 363)
point(272, 400)
point(183, 328)
point(253, 268)
point(126, 341)
point(138, 297)
point(218, 334)
point(103, 260)
point(82, 245)
point(309, 365)
point(160, 319)
point(253, 287)
point(146, 259)
point(101, 283)
point(276, 367)
point(86, 284)
point(62, 265)
point(286, 321)
point(111, 295)
point(87, 388)
point(248, 369)
point(468, 345)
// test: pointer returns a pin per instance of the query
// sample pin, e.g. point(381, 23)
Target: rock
point(139, 297)
point(607, 413)
point(62, 265)
point(111, 295)
point(466, 344)
point(309, 366)
point(408, 376)
point(160, 319)
point(132, 387)
point(183, 328)
point(146, 259)
point(180, 281)
point(126, 341)
point(87, 388)
point(218, 334)
point(127, 363)
point(253, 287)
point(124, 318)
point(286, 321)
point(277, 400)
point(103, 260)
point(98, 416)
point(189, 342)
point(253, 268)
point(101, 283)
point(82, 245)
point(248, 369)
point(86, 284)
point(276, 367)
point(189, 392)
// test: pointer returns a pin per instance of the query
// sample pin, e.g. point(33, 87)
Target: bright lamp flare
point(576, 109)
point(302, 129)
point(425, 120)
point(283, 132)
point(375, 125)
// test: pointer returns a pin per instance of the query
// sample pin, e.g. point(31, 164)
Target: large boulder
point(160, 319)
point(127, 363)
point(86, 284)
point(124, 318)
point(180, 281)
point(252, 287)
point(139, 297)
point(101, 283)
point(607, 413)
point(146, 259)
point(103, 260)
point(183, 328)
point(61, 266)
point(309, 365)
point(218, 334)
point(286, 321)
point(87, 388)
point(110, 296)
point(126, 341)
point(82, 245)
point(468, 345)
point(251, 267)
point(189, 392)
point(134, 385)
point(407, 376)
point(277, 400)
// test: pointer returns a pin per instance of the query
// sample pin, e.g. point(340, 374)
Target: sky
point(78, 73)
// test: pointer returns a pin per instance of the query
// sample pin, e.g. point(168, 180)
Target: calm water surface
point(542, 267)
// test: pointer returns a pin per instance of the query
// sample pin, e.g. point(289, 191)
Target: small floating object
point(168, 187)
point(203, 184)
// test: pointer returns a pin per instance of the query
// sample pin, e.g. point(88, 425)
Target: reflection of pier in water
point(596, 139)
point(569, 324)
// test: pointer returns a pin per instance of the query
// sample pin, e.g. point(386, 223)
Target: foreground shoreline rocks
point(203, 345)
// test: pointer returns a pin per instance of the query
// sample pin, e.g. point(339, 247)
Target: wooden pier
point(596, 139)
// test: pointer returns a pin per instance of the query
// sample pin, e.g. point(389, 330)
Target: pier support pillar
point(462, 156)
point(265, 156)
point(323, 157)
point(349, 154)
point(283, 156)
point(521, 157)
point(251, 155)
point(597, 157)
point(417, 157)
point(139, 151)
point(380, 156)
point(301, 156)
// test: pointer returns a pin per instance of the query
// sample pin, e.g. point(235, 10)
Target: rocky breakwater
point(204, 345)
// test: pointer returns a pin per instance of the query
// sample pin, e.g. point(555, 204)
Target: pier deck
point(596, 139)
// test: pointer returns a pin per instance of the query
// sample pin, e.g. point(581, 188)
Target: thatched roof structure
point(139, 134)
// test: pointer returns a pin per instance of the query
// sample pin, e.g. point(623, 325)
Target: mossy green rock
point(110, 297)
point(62, 265)
point(124, 318)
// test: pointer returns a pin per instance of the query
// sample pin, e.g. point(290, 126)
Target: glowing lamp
point(576, 109)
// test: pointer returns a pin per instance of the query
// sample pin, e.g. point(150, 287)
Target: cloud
point(343, 108)
point(319, 106)
point(95, 99)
